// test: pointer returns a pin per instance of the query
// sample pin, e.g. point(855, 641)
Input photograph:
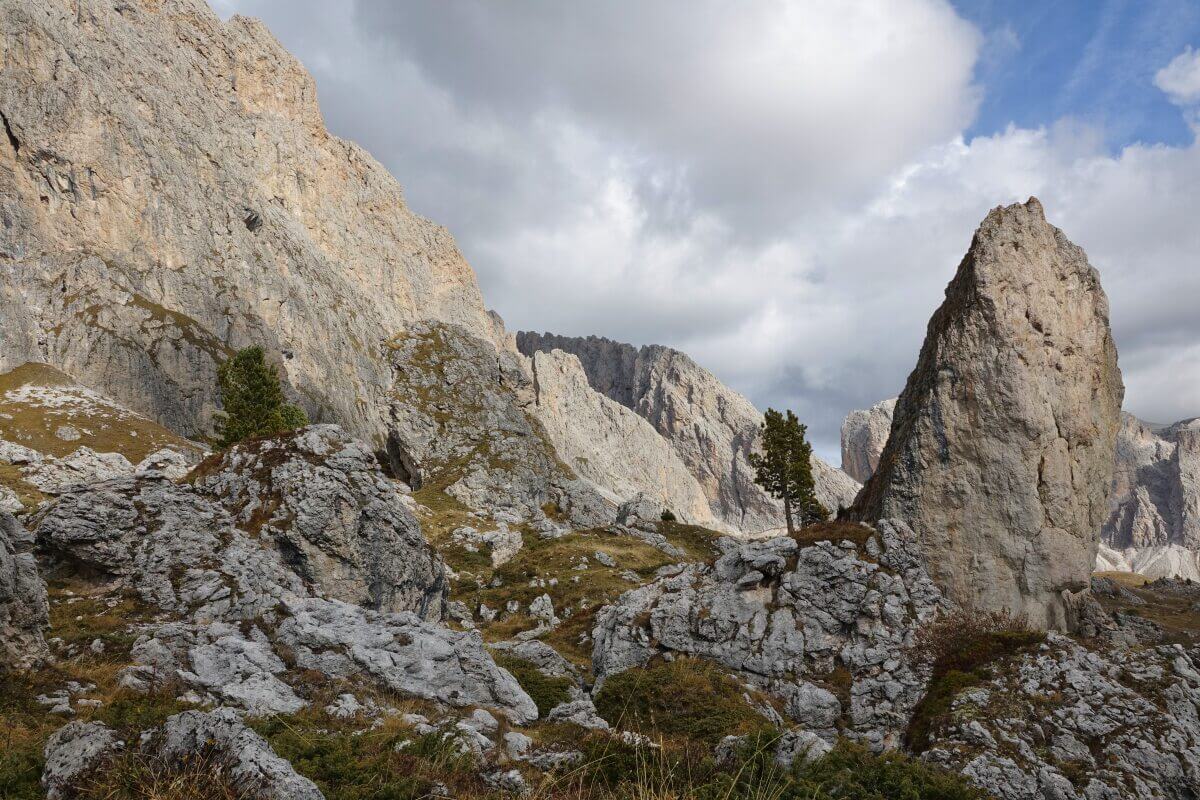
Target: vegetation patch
point(351, 760)
point(835, 532)
point(546, 691)
point(687, 698)
point(38, 402)
point(962, 650)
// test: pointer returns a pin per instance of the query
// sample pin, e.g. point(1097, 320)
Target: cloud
point(781, 189)
point(1180, 79)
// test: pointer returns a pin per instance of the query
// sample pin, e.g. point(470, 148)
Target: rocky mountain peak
point(1000, 453)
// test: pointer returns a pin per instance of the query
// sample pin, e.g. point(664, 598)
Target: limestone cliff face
point(1001, 451)
point(610, 445)
point(1153, 524)
point(864, 434)
point(711, 427)
point(168, 191)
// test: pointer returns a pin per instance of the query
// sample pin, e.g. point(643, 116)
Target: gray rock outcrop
point(341, 525)
point(864, 434)
point(172, 193)
point(244, 758)
point(1001, 451)
point(799, 622)
point(711, 427)
point(24, 612)
point(72, 753)
point(1152, 507)
point(461, 412)
point(1074, 723)
point(243, 607)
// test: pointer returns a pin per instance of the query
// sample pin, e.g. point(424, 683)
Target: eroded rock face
point(24, 612)
point(1153, 525)
point(463, 413)
point(1076, 723)
point(339, 522)
point(172, 192)
point(244, 607)
point(711, 427)
point(610, 445)
point(791, 619)
point(864, 434)
point(1000, 455)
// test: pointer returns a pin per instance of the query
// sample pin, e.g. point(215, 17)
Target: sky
point(781, 188)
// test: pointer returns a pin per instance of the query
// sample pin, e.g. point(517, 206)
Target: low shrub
point(687, 699)
point(961, 650)
point(547, 692)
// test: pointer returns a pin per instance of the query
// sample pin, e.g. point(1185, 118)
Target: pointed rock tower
point(1000, 454)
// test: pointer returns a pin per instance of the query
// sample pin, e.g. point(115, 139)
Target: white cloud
point(780, 189)
point(1181, 78)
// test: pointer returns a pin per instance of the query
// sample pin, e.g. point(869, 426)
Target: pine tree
point(253, 399)
point(784, 469)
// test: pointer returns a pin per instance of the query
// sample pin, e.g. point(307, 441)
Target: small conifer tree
point(784, 469)
point(253, 399)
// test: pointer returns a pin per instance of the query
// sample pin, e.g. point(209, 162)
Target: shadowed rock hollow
point(1000, 455)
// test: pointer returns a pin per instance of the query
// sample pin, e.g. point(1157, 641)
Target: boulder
point(797, 621)
point(341, 525)
point(864, 434)
point(1001, 451)
point(245, 759)
point(72, 752)
point(24, 612)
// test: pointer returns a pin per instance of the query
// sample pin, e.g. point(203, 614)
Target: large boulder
point(24, 613)
point(343, 526)
point(336, 525)
point(864, 434)
point(824, 625)
point(1001, 451)
point(712, 428)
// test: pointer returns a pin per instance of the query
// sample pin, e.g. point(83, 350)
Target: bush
point(546, 692)
point(253, 399)
point(960, 650)
point(688, 699)
point(851, 772)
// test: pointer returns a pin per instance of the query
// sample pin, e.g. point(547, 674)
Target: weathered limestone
point(1150, 528)
point(711, 427)
point(170, 192)
point(1074, 723)
point(24, 613)
point(787, 618)
point(864, 434)
point(463, 415)
point(245, 758)
point(610, 445)
point(1001, 451)
point(340, 523)
point(243, 594)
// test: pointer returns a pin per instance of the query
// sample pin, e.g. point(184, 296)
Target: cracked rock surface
point(791, 619)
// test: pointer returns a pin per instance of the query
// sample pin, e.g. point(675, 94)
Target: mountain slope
point(169, 191)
